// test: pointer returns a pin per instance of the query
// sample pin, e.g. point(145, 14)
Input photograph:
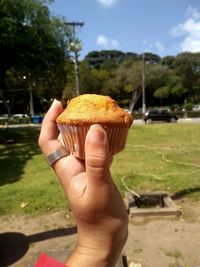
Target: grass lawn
point(161, 157)
point(157, 157)
point(25, 178)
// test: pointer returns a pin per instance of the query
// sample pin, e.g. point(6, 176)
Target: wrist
point(104, 253)
point(84, 257)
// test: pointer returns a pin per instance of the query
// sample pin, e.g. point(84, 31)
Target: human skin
point(101, 217)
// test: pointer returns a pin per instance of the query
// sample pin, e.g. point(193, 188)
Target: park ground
point(153, 241)
point(157, 158)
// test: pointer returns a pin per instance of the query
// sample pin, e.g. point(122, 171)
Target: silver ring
point(56, 155)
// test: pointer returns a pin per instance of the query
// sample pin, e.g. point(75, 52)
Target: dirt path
point(152, 242)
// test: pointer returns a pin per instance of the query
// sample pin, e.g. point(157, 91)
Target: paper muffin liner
point(74, 138)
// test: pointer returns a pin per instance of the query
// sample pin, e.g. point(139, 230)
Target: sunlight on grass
point(157, 157)
point(164, 157)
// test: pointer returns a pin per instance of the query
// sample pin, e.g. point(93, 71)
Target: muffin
point(83, 111)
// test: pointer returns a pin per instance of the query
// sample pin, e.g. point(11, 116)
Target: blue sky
point(164, 27)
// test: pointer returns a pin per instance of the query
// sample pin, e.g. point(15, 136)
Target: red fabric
point(46, 261)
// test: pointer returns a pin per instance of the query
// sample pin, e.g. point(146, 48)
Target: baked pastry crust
point(90, 109)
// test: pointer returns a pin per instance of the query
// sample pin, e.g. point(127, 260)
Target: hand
point(94, 199)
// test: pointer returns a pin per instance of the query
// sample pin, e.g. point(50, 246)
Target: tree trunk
point(135, 96)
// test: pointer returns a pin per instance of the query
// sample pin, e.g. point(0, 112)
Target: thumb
point(97, 158)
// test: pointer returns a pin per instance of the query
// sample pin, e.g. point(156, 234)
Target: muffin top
point(90, 109)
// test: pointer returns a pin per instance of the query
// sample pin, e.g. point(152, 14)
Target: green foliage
point(101, 59)
point(34, 54)
point(170, 80)
point(182, 78)
point(93, 80)
point(162, 92)
point(188, 106)
point(168, 60)
point(187, 68)
point(33, 48)
point(151, 57)
point(126, 81)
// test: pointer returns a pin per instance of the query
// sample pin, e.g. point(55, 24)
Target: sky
point(163, 27)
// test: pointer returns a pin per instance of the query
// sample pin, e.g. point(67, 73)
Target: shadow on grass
point(13, 245)
point(17, 146)
point(185, 192)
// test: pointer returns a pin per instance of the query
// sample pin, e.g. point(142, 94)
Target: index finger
point(49, 122)
point(49, 131)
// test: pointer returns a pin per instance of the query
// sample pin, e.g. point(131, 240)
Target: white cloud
point(190, 26)
point(107, 3)
point(156, 47)
point(191, 44)
point(189, 30)
point(193, 12)
point(107, 43)
point(102, 40)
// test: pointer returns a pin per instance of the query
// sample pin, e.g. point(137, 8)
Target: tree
point(126, 82)
point(168, 60)
point(187, 67)
point(111, 58)
point(150, 57)
point(33, 48)
point(182, 79)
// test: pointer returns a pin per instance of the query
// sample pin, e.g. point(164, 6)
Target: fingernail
point(97, 134)
point(54, 103)
point(95, 126)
